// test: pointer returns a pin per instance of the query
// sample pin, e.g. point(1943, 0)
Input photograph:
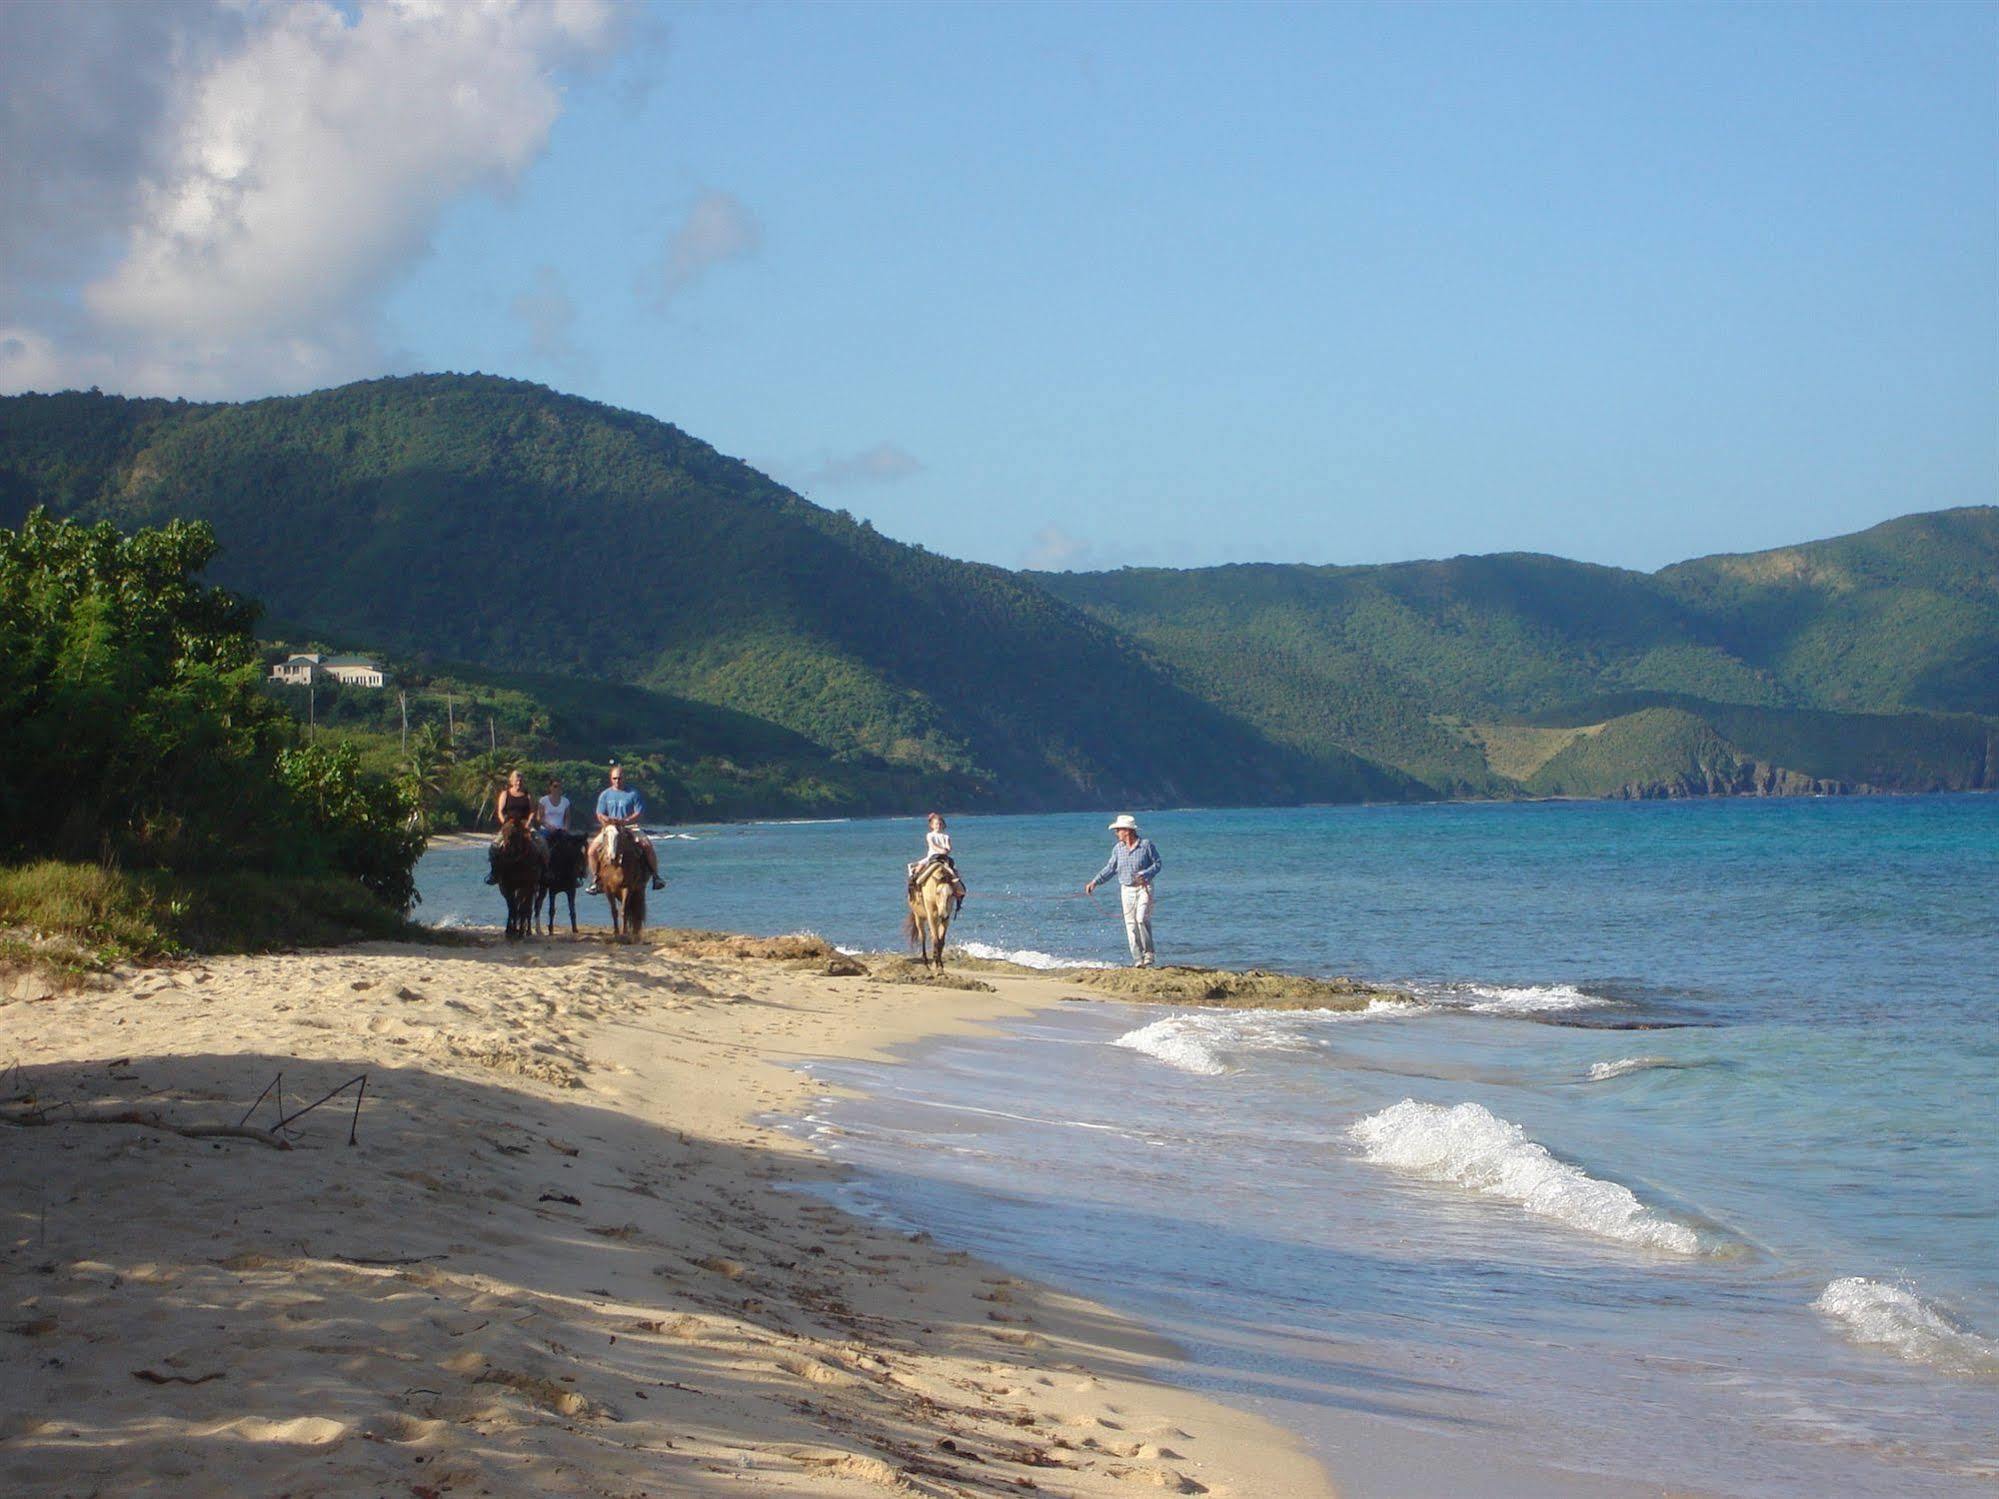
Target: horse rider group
point(618, 805)
point(1133, 862)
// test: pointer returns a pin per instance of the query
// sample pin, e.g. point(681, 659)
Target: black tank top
point(516, 808)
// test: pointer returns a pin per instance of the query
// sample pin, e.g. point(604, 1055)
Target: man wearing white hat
point(1134, 861)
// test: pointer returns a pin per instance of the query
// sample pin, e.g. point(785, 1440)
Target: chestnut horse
point(931, 906)
point(623, 875)
point(518, 867)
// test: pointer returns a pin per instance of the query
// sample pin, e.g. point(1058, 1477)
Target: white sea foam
point(1203, 1042)
point(1178, 1044)
point(1471, 1147)
point(1024, 957)
point(1603, 1072)
point(1526, 999)
point(1899, 1320)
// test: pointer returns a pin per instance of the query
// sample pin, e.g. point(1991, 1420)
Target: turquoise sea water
point(1685, 1168)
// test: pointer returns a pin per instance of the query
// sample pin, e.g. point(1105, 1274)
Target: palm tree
point(427, 769)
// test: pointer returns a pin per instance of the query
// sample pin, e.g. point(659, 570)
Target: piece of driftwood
point(353, 1128)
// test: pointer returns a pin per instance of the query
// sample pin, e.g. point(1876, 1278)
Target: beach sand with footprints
point(566, 1254)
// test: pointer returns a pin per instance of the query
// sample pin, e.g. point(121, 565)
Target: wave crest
point(1471, 1147)
point(1603, 1072)
point(1899, 1320)
point(1515, 999)
point(1201, 1043)
point(1023, 957)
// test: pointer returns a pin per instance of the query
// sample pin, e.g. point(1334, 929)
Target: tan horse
point(623, 876)
point(931, 907)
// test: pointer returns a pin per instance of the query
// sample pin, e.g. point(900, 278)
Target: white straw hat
point(1124, 821)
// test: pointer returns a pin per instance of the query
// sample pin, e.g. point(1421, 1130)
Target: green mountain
point(419, 514)
point(1462, 672)
point(762, 642)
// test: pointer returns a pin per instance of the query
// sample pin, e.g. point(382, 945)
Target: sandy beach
point(567, 1253)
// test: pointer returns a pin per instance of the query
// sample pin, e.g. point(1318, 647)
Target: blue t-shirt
point(614, 801)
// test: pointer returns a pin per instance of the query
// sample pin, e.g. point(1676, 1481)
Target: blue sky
point(1088, 286)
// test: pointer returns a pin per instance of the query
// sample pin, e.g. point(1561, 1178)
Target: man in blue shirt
point(1134, 861)
point(618, 805)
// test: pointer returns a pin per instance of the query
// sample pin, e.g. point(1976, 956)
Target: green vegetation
point(1440, 668)
point(469, 726)
point(749, 653)
point(135, 734)
point(415, 514)
point(85, 916)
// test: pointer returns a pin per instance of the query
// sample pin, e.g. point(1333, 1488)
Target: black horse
point(560, 876)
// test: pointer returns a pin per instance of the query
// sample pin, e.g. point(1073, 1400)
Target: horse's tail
point(910, 934)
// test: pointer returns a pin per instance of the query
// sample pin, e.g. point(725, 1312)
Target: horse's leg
point(572, 912)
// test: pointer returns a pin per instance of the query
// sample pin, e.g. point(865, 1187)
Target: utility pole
point(311, 707)
point(450, 722)
point(492, 739)
point(403, 699)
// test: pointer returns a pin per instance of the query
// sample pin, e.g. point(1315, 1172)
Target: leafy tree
point(368, 830)
point(133, 723)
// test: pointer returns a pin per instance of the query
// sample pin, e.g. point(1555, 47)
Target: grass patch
point(81, 917)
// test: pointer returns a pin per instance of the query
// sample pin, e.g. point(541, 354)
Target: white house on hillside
point(349, 671)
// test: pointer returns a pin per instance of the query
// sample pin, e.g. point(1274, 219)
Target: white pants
point(1138, 922)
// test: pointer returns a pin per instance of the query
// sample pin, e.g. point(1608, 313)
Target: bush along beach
point(154, 797)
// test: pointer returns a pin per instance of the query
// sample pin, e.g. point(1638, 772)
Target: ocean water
point(1684, 1170)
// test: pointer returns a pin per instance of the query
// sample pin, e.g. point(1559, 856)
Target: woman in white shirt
point(554, 809)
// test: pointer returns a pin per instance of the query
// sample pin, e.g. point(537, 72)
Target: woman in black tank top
point(512, 805)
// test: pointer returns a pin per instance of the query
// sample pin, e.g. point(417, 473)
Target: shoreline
point(564, 1237)
point(473, 837)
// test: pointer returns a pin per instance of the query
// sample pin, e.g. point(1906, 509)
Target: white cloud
point(717, 230)
point(1055, 550)
point(884, 463)
point(274, 177)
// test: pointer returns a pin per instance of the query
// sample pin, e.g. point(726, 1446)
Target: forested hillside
point(415, 516)
point(1458, 671)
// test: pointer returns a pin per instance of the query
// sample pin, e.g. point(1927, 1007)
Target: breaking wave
point(1202, 1043)
point(1023, 957)
point(1890, 1317)
point(1511, 999)
point(1471, 1147)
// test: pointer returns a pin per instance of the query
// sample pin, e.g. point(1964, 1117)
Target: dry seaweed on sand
point(692, 943)
point(892, 970)
point(1252, 989)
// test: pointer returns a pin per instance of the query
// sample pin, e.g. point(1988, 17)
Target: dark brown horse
point(564, 872)
point(518, 870)
point(624, 875)
point(931, 906)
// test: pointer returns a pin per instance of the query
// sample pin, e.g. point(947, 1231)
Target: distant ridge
point(372, 513)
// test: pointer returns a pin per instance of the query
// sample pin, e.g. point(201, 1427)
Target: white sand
point(426, 1312)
